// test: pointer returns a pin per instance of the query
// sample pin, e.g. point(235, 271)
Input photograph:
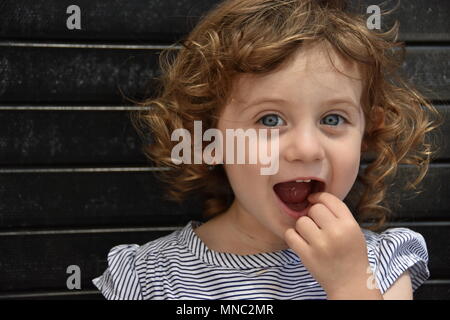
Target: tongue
point(293, 192)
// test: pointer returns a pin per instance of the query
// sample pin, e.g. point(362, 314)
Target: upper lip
point(306, 178)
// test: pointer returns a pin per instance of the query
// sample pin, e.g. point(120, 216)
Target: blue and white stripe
point(180, 266)
point(393, 252)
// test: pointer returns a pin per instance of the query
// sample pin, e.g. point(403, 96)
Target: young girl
point(291, 66)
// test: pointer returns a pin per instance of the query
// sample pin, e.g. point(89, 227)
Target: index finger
point(333, 203)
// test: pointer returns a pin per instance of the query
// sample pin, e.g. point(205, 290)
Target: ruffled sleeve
point(396, 250)
point(120, 280)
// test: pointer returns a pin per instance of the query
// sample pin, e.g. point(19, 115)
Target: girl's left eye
point(332, 122)
point(271, 120)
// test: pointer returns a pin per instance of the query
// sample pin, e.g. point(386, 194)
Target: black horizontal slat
point(61, 137)
point(83, 199)
point(87, 75)
point(432, 79)
point(419, 20)
point(36, 137)
point(418, 207)
point(82, 75)
point(134, 20)
point(170, 20)
point(39, 262)
point(114, 198)
point(55, 295)
point(433, 290)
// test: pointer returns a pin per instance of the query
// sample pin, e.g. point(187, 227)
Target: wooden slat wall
point(73, 179)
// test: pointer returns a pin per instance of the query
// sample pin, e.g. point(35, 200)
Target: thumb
point(312, 197)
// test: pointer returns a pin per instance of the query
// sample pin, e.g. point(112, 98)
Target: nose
point(303, 143)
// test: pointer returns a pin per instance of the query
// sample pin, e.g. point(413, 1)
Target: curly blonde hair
point(258, 36)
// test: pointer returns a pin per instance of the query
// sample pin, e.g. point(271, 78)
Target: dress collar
point(261, 260)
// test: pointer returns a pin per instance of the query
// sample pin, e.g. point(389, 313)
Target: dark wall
point(73, 179)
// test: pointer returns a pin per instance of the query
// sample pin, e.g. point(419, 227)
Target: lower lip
point(290, 212)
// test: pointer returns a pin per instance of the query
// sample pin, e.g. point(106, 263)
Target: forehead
point(309, 72)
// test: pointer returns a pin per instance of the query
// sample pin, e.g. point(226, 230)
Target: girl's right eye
point(270, 120)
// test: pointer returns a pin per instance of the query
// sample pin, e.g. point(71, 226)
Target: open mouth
point(294, 194)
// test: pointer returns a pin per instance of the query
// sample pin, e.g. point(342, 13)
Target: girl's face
point(321, 124)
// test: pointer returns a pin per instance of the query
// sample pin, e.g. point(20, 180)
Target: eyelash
point(274, 114)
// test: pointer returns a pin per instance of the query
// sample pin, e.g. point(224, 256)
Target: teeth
point(303, 180)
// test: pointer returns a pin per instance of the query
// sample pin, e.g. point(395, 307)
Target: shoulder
point(160, 245)
point(395, 251)
point(120, 280)
point(128, 264)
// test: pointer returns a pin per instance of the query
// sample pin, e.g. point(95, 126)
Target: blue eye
point(271, 120)
point(332, 122)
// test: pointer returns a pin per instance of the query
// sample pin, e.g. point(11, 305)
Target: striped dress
point(180, 266)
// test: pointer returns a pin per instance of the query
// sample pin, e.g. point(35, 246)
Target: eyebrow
point(263, 100)
point(348, 101)
point(337, 100)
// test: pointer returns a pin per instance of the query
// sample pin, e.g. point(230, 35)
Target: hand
point(331, 245)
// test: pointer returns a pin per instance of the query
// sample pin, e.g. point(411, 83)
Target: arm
point(361, 287)
point(401, 289)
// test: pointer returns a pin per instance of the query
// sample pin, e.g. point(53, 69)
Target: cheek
point(246, 181)
point(345, 172)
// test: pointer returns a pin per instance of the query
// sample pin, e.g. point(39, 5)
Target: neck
point(251, 236)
